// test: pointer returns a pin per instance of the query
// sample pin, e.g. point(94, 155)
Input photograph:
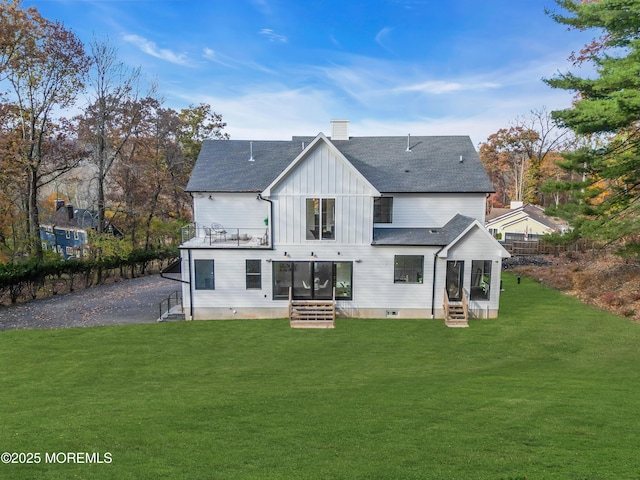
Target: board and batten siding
point(434, 209)
point(322, 174)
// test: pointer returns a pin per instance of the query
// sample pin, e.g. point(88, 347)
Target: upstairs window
point(321, 218)
point(383, 210)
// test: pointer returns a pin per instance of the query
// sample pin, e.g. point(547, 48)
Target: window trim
point(482, 291)
point(290, 277)
point(405, 269)
point(212, 275)
point(384, 208)
point(253, 275)
point(319, 229)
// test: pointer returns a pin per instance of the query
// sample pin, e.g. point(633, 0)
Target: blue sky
point(277, 68)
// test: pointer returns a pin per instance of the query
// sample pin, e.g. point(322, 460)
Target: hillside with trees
point(125, 156)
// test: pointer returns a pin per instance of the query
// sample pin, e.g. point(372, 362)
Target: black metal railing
point(173, 300)
point(219, 236)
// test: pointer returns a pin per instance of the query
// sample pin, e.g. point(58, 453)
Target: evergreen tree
point(606, 112)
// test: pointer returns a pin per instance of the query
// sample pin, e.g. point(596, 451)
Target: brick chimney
point(59, 203)
point(70, 211)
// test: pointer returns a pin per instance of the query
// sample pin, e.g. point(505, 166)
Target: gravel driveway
point(125, 302)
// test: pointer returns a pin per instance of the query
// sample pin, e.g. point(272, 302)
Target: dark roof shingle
point(433, 164)
point(441, 236)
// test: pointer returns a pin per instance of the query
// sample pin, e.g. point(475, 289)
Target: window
point(321, 218)
point(254, 274)
point(383, 210)
point(343, 274)
point(454, 280)
point(67, 233)
point(69, 250)
point(205, 279)
point(408, 268)
point(480, 279)
point(75, 235)
point(313, 280)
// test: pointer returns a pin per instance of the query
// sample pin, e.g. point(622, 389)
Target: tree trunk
point(35, 245)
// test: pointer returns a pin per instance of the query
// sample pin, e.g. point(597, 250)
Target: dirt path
point(125, 302)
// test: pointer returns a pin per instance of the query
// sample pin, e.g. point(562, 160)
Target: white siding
point(373, 280)
point(434, 209)
point(230, 291)
point(323, 174)
point(476, 245)
point(232, 210)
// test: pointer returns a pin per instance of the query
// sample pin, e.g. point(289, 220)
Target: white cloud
point(272, 113)
point(150, 48)
point(273, 36)
point(382, 36)
point(438, 87)
point(383, 98)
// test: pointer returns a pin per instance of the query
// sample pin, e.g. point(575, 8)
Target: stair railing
point(171, 301)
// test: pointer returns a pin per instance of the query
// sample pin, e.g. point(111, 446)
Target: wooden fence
point(540, 247)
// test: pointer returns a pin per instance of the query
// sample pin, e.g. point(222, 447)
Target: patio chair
point(218, 232)
point(208, 235)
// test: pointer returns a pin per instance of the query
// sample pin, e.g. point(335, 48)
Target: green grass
point(550, 390)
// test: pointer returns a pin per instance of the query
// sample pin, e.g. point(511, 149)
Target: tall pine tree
point(606, 112)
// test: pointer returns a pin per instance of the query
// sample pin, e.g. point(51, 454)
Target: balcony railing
point(215, 235)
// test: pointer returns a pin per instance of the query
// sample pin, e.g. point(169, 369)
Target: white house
point(378, 226)
point(523, 222)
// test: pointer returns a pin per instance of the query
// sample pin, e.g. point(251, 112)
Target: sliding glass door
point(312, 280)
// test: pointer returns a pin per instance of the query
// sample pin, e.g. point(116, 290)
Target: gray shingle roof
point(432, 165)
point(422, 236)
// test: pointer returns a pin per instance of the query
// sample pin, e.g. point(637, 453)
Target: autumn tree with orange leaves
point(44, 65)
point(520, 159)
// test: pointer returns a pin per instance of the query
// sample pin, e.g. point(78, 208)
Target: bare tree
point(44, 65)
point(108, 122)
point(548, 142)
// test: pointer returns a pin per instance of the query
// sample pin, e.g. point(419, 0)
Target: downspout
point(260, 197)
point(190, 285)
point(433, 283)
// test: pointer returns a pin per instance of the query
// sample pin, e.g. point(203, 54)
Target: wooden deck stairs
point(312, 313)
point(456, 314)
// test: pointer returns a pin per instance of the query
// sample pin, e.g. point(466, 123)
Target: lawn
point(550, 390)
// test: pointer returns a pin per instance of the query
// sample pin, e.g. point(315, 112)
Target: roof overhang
point(474, 224)
point(304, 153)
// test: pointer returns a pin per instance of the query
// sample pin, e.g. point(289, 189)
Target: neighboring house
point(383, 225)
point(523, 222)
point(66, 231)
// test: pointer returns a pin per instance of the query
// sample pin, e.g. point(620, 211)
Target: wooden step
point(457, 317)
point(312, 314)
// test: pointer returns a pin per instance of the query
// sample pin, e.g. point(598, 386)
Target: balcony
point(196, 235)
